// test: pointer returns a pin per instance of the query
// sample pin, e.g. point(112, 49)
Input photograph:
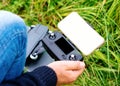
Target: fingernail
point(82, 64)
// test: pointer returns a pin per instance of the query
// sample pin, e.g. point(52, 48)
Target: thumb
point(75, 65)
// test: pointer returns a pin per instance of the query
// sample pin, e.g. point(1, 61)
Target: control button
point(72, 57)
point(52, 36)
point(34, 56)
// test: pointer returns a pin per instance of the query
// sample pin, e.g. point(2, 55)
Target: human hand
point(67, 71)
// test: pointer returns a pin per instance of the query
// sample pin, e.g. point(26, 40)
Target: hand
point(67, 71)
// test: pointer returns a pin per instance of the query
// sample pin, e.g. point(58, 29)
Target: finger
point(75, 65)
point(78, 72)
point(75, 74)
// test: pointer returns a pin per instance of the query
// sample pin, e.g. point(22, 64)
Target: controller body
point(60, 48)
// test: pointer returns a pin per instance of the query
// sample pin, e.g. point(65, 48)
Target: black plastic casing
point(60, 48)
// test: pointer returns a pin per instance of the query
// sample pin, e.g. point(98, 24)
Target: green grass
point(103, 65)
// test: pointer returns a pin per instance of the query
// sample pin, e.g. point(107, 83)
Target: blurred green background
point(103, 65)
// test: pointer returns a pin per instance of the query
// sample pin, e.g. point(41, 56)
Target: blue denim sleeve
point(13, 39)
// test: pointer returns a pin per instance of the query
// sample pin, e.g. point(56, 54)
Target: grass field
point(103, 65)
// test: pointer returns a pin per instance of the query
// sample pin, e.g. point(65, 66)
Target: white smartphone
point(82, 35)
